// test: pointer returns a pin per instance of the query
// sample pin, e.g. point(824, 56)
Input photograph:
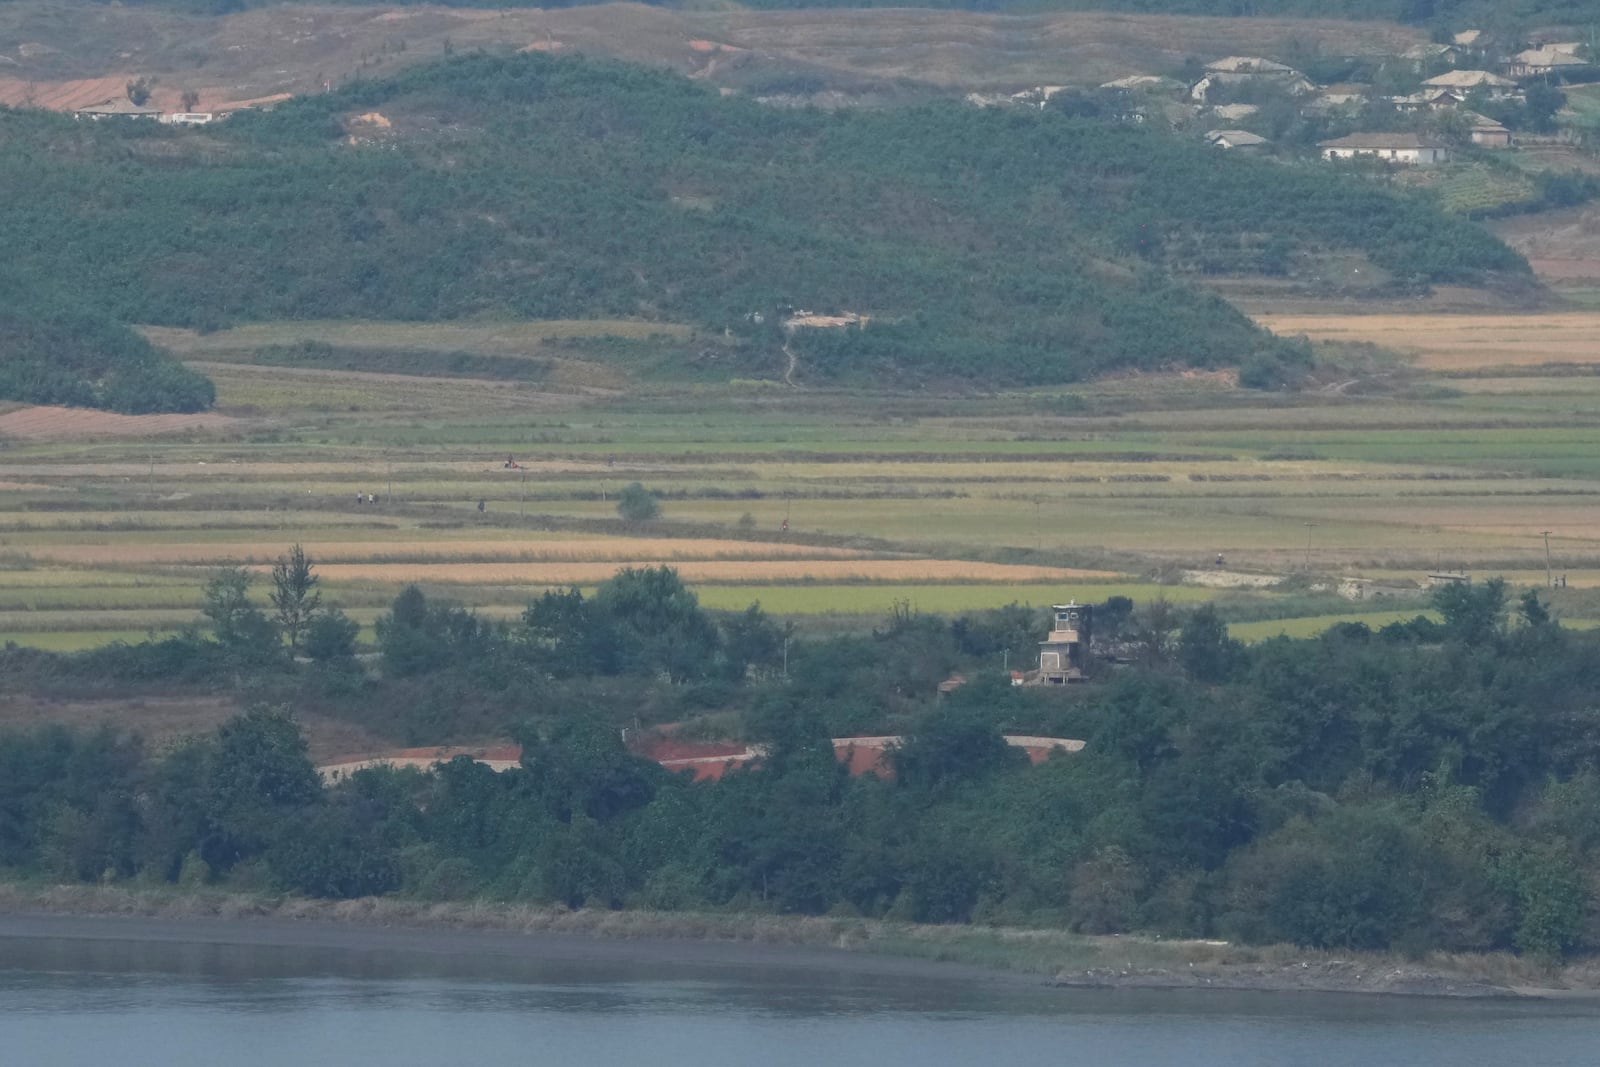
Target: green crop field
point(820, 504)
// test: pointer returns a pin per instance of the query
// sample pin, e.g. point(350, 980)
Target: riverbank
point(1052, 957)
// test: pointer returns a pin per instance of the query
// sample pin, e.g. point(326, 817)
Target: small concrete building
point(1409, 149)
point(1242, 140)
point(1486, 131)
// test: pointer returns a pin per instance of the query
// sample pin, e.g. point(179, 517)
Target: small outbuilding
point(1240, 140)
point(1487, 132)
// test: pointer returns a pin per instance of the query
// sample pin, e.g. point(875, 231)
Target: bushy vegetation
point(82, 358)
point(1430, 785)
point(1012, 248)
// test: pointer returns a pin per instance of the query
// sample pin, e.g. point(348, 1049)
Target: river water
point(129, 1001)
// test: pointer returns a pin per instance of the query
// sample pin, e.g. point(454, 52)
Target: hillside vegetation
point(61, 356)
point(1014, 248)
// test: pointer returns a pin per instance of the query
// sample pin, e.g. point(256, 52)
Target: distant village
point(1420, 107)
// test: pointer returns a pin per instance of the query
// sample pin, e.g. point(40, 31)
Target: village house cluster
point(1417, 107)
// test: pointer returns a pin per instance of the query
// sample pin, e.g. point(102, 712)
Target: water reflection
point(67, 1001)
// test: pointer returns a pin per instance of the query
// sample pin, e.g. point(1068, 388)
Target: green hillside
point(84, 359)
point(1012, 248)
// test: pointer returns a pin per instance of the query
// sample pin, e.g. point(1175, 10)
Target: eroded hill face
point(62, 57)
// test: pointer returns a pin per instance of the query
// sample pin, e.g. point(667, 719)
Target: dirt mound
point(48, 423)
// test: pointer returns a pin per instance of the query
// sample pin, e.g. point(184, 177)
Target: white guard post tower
point(1063, 655)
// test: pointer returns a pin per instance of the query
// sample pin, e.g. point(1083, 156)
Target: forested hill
point(1013, 248)
point(67, 355)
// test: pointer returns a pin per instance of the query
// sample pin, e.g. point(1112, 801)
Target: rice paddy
point(824, 505)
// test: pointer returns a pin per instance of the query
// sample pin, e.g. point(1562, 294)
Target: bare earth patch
point(42, 423)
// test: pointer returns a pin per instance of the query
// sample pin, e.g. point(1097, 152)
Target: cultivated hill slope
point(1008, 248)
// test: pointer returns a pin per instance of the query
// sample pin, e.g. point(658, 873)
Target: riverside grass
point(1143, 477)
point(1051, 955)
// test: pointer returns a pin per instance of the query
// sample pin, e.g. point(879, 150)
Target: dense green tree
point(331, 636)
point(659, 623)
point(637, 504)
point(1473, 614)
point(295, 596)
point(1205, 651)
point(239, 625)
point(258, 775)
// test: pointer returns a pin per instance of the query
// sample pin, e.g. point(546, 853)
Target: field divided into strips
point(948, 504)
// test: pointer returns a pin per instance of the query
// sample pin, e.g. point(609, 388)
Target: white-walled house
point(1410, 149)
point(1543, 61)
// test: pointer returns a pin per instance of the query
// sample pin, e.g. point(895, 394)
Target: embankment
point(1054, 957)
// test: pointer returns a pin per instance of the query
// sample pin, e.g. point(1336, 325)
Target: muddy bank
point(854, 946)
point(1321, 976)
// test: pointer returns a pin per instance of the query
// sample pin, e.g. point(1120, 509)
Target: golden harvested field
point(40, 423)
point(1460, 342)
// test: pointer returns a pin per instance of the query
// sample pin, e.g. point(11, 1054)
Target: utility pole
point(1309, 527)
point(786, 659)
point(1548, 581)
point(522, 502)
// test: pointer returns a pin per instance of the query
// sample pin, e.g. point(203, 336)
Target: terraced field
point(826, 506)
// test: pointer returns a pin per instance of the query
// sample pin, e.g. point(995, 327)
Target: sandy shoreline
point(526, 935)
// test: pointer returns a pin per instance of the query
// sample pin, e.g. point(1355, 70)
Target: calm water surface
point(70, 1001)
